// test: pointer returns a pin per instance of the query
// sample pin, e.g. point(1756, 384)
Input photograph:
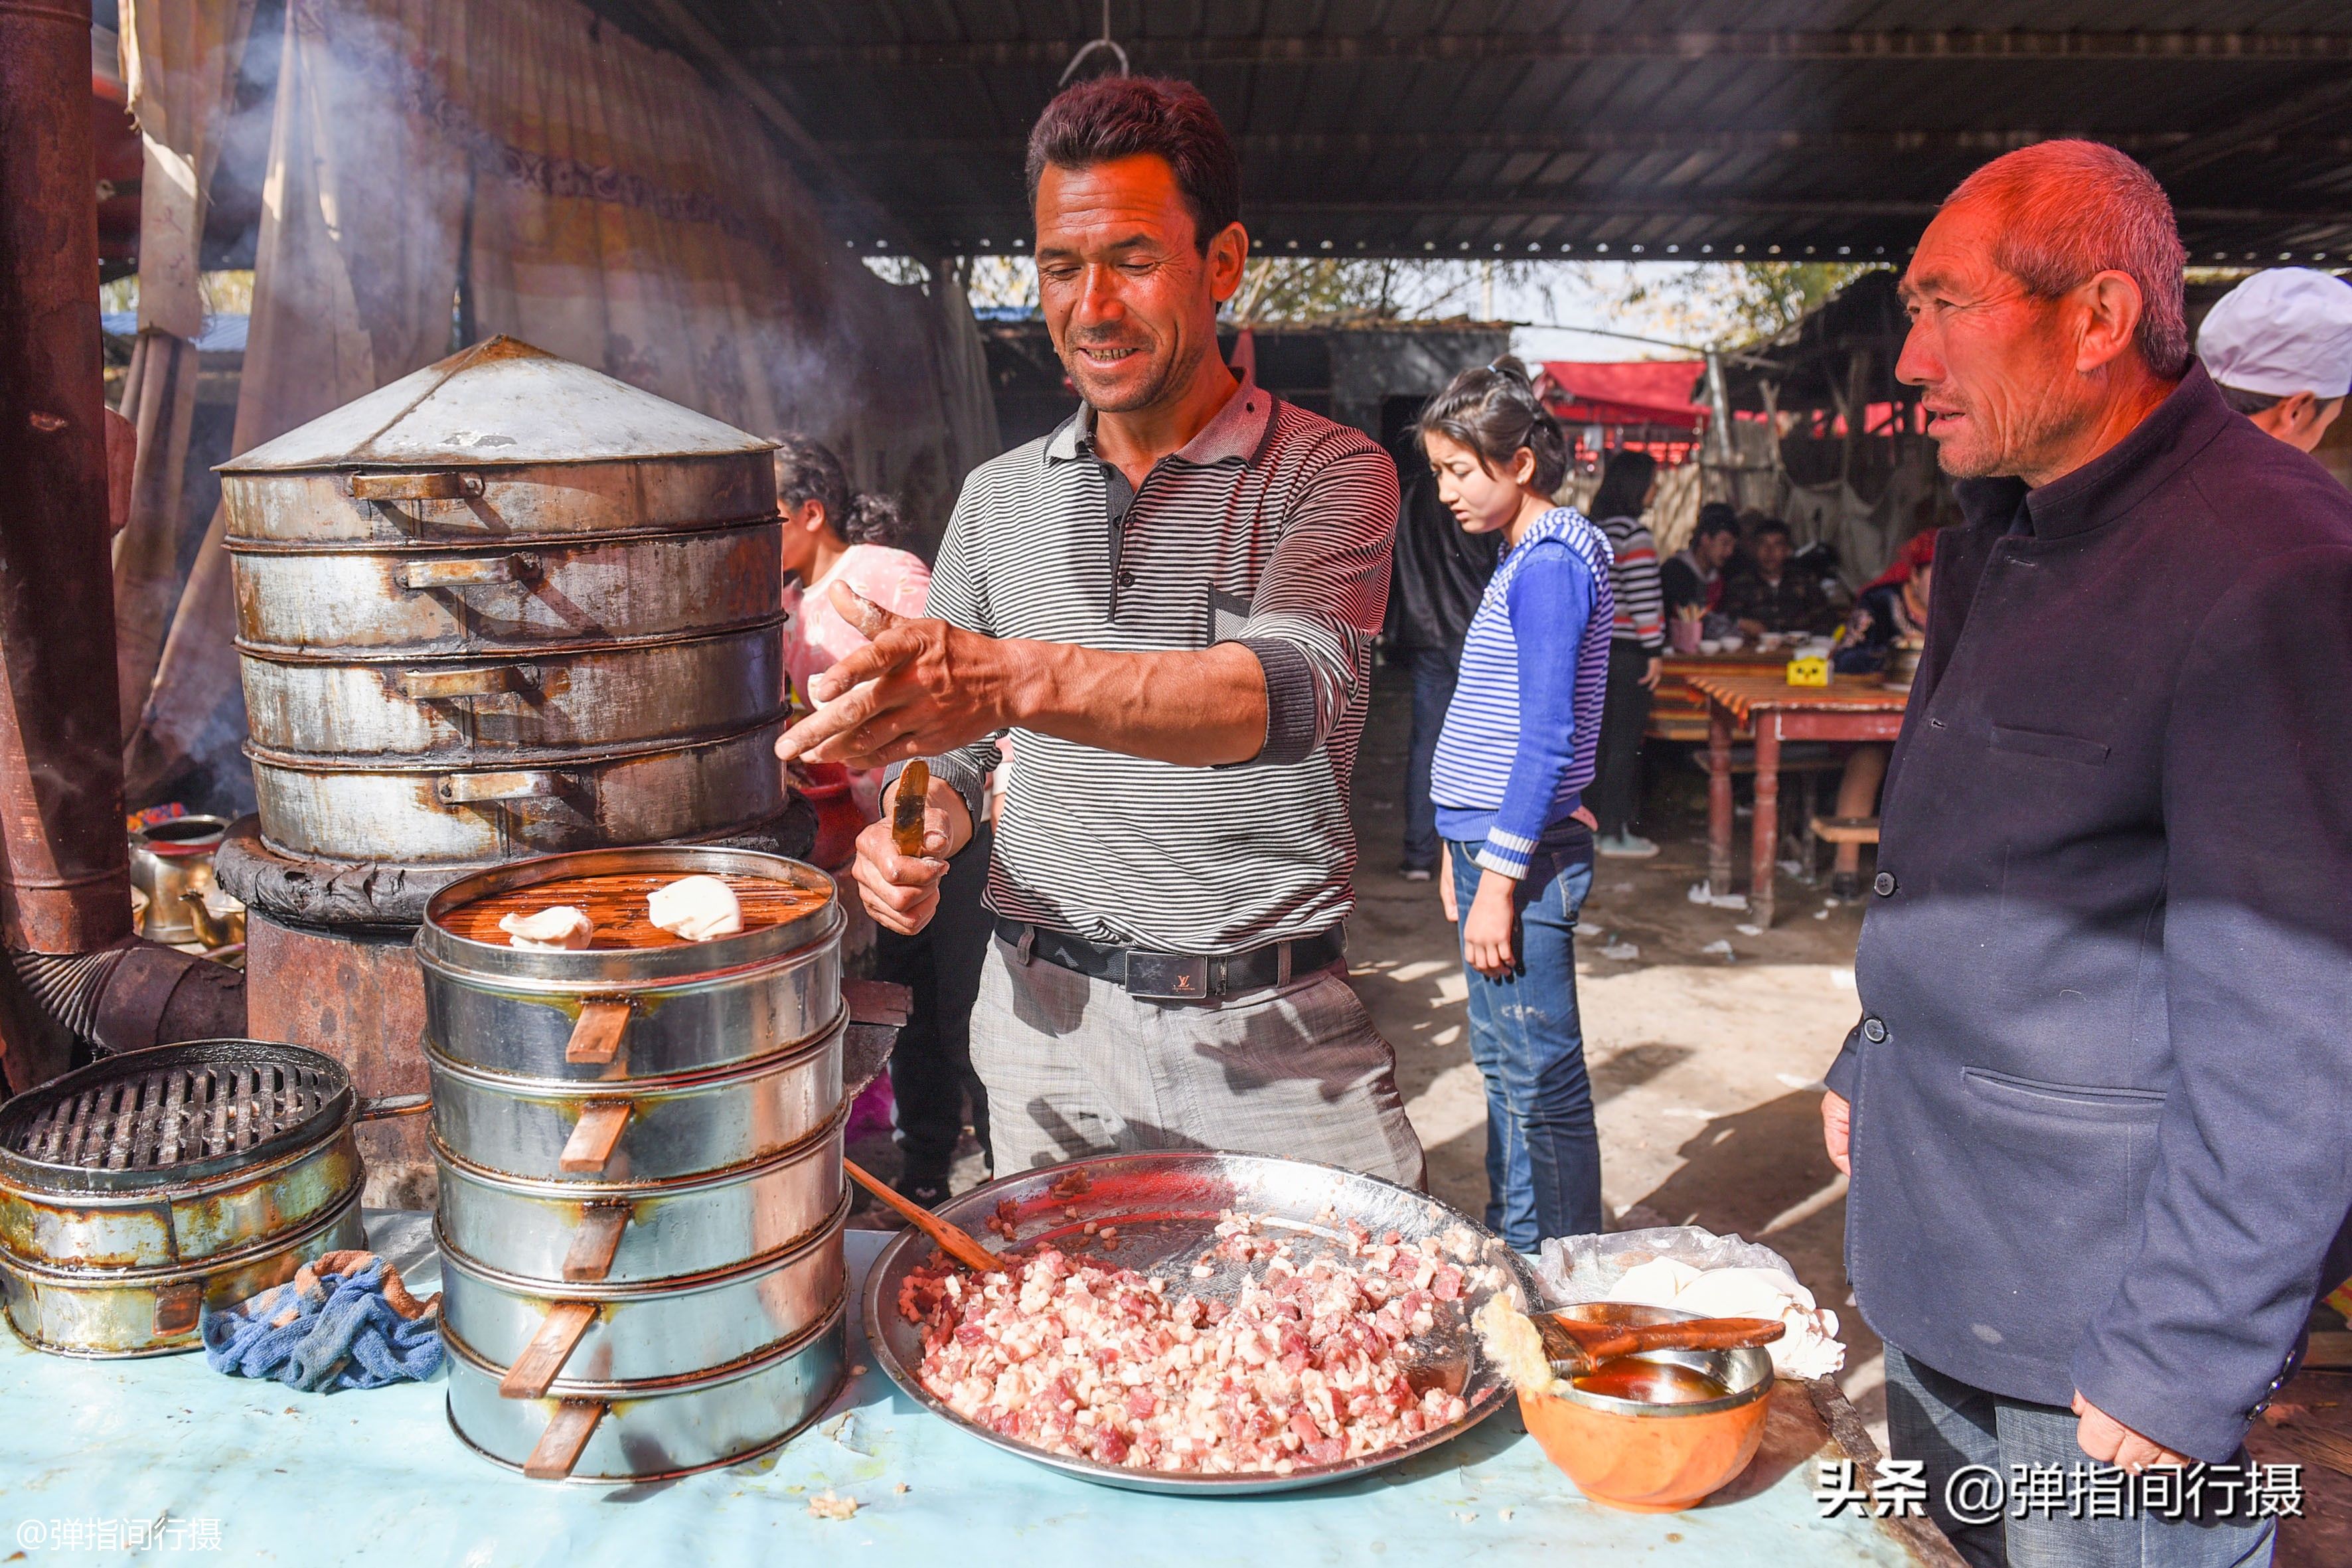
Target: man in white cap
point(2280, 345)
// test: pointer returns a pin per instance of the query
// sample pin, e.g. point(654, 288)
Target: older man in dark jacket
point(2100, 1100)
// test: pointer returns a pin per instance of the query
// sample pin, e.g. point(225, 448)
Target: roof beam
point(702, 46)
point(2268, 129)
point(1603, 204)
point(1883, 44)
point(1599, 139)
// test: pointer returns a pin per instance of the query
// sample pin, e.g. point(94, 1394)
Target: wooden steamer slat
point(593, 1245)
point(566, 1438)
point(542, 1359)
point(596, 1037)
point(592, 1143)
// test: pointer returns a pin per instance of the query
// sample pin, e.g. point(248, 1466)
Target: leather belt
point(1174, 976)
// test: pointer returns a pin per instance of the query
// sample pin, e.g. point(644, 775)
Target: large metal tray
point(1166, 1208)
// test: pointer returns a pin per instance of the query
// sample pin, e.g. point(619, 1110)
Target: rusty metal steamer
point(504, 606)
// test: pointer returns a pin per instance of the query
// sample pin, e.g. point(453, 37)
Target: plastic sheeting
point(274, 1477)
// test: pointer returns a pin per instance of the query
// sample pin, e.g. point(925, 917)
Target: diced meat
point(1299, 1367)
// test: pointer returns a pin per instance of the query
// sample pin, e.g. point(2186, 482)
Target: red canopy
point(1641, 392)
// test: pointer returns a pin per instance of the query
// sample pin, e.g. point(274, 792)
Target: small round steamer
point(140, 1189)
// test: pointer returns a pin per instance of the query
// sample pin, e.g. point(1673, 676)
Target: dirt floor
point(1706, 1047)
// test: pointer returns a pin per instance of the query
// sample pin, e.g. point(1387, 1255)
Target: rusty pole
point(64, 872)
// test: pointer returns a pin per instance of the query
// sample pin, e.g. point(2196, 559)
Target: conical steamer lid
point(500, 403)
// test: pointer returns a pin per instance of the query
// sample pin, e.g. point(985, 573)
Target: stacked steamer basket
point(503, 606)
point(639, 1147)
point(507, 606)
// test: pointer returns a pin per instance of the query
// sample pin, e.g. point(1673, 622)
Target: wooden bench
point(1822, 831)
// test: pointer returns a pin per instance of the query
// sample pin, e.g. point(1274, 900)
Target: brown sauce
point(615, 902)
point(1651, 1381)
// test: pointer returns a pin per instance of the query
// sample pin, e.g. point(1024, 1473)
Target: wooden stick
point(596, 1037)
point(550, 1348)
point(907, 809)
point(590, 1258)
point(592, 1143)
point(1588, 1344)
point(559, 1447)
point(957, 1244)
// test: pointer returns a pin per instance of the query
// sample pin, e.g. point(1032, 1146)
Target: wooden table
point(1852, 708)
point(1678, 710)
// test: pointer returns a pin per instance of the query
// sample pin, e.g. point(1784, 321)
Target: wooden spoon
point(1583, 1346)
point(957, 1244)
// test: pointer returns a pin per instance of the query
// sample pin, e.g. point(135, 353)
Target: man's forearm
point(1196, 708)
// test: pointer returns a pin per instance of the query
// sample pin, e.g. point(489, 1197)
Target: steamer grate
point(156, 1119)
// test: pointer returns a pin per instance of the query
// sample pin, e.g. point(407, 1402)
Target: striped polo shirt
point(1520, 735)
point(1271, 528)
point(1633, 578)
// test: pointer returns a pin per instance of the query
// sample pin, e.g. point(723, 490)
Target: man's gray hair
point(2070, 210)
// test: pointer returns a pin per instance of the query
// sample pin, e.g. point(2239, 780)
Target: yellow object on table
point(1808, 671)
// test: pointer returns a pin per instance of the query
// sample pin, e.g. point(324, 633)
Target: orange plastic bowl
point(1654, 1459)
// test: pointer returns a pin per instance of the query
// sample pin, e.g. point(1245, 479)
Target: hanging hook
point(1090, 46)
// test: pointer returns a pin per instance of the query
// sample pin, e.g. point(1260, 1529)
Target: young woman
point(832, 535)
point(1637, 648)
point(1513, 759)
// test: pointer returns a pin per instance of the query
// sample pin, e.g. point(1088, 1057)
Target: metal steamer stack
point(503, 606)
point(640, 1162)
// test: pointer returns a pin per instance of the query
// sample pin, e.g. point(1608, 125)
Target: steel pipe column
point(64, 870)
point(65, 874)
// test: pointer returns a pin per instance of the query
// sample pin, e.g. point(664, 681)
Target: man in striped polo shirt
point(1168, 603)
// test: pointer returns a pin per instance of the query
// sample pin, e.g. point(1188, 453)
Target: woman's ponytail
point(1494, 411)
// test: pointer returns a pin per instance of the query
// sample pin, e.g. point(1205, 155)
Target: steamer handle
point(466, 573)
point(386, 1106)
point(430, 685)
point(542, 1359)
point(596, 1037)
point(566, 1438)
point(457, 789)
point(446, 485)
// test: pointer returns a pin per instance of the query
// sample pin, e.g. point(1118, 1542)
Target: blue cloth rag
point(321, 1333)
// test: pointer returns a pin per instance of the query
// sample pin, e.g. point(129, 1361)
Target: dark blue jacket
point(2103, 1084)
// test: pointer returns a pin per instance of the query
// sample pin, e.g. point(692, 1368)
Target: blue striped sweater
point(1519, 743)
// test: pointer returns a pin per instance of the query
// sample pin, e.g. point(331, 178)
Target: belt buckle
point(1167, 976)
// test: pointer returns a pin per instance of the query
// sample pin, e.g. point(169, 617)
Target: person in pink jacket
point(832, 534)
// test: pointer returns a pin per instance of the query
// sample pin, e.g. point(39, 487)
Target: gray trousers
point(1951, 1425)
point(1076, 1066)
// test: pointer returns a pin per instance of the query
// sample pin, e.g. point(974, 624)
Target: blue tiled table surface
point(276, 1477)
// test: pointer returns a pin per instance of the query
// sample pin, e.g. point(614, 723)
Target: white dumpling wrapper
point(559, 928)
point(696, 908)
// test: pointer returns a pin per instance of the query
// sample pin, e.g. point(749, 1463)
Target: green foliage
point(1309, 289)
point(1722, 305)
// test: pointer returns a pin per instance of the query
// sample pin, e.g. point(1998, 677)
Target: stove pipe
point(65, 890)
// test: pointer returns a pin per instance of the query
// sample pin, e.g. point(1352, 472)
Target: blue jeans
point(1543, 1151)
point(1948, 1426)
point(1433, 673)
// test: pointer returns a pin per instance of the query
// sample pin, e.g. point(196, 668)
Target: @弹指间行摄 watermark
point(1979, 1494)
point(118, 1532)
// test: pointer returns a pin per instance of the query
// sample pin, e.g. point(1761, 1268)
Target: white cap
point(2285, 331)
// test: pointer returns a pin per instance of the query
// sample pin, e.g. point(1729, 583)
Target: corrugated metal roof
point(1518, 128)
